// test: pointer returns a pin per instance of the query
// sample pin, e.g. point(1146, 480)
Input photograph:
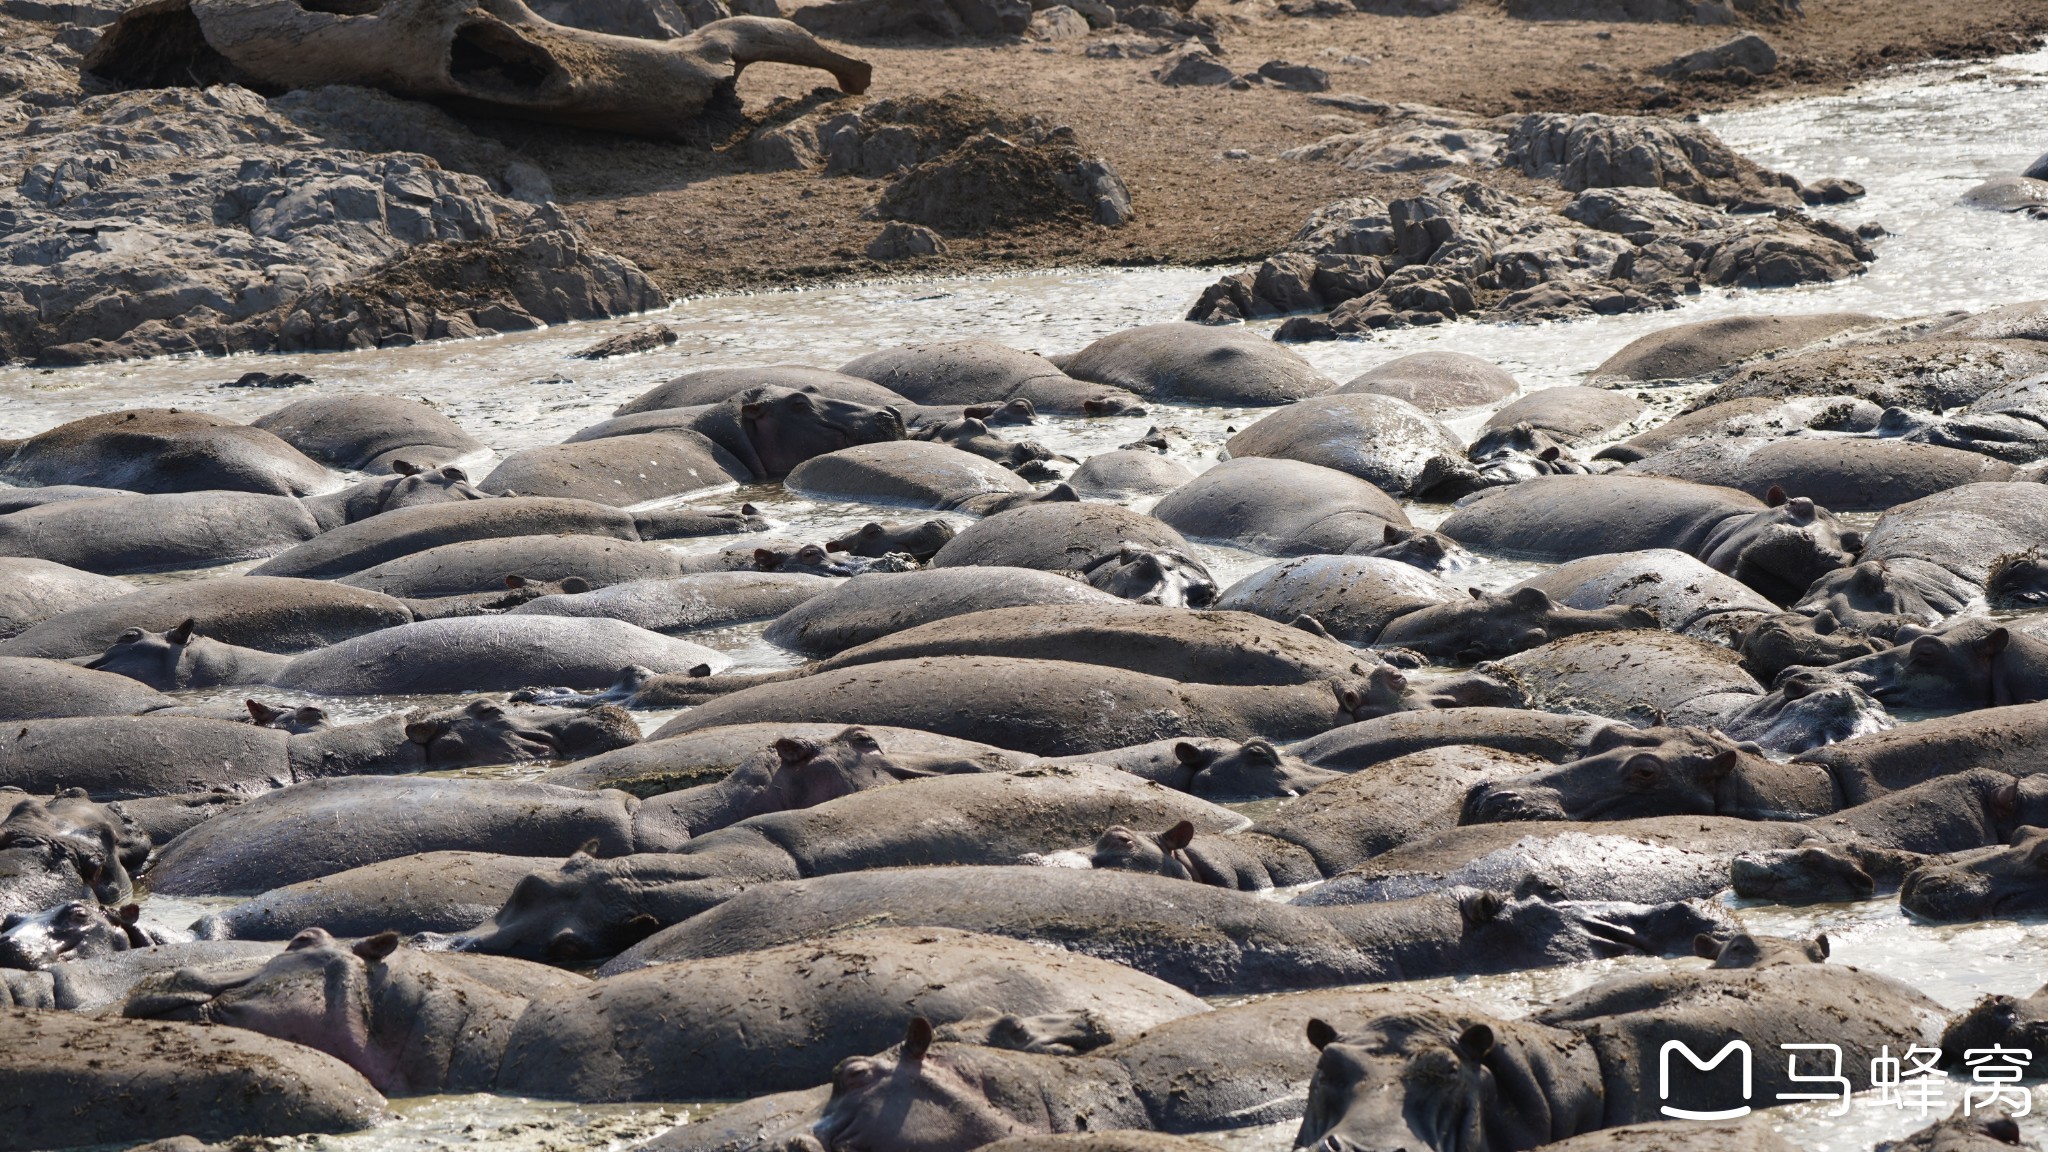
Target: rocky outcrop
point(938, 19)
point(1657, 11)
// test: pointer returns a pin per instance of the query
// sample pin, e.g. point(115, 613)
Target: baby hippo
point(76, 930)
point(1744, 950)
point(1491, 625)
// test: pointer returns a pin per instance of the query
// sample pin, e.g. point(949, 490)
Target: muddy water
point(1916, 140)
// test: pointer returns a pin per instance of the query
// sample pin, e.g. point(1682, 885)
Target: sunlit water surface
point(1915, 140)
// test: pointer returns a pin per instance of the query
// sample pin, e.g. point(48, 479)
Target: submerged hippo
point(1198, 363)
point(1778, 546)
point(1687, 596)
point(1848, 474)
point(63, 849)
point(1124, 553)
point(956, 372)
point(1437, 381)
point(414, 1022)
point(918, 474)
point(879, 538)
point(1944, 548)
point(32, 591)
point(717, 385)
point(369, 433)
point(1293, 508)
point(1386, 442)
point(76, 930)
point(874, 605)
point(1998, 884)
point(272, 613)
point(153, 450)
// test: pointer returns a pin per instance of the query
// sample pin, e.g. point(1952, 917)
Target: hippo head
point(297, 721)
point(810, 560)
point(1869, 597)
point(1814, 873)
point(808, 773)
point(876, 540)
point(1419, 548)
point(1985, 1129)
point(1416, 1081)
point(2019, 581)
point(787, 427)
point(1113, 403)
point(1253, 770)
point(1008, 414)
point(150, 657)
point(1068, 1033)
point(1789, 639)
point(75, 930)
point(1384, 690)
point(487, 732)
point(1783, 549)
point(2003, 882)
point(1165, 576)
point(1626, 773)
point(918, 1098)
point(1522, 452)
point(970, 434)
point(1745, 950)
point(411, 484)
point(69, 833)
point(1124, 849)
point(569, 916)
point(1954, 667)
point(2000, 1020)
point(1492, 624)
point(1808, 708)
point(317, 992)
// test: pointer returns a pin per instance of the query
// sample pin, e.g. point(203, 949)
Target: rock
point(269, 380)
point(1655, 11)
point(1193, 66)
point(900, 241)
point(992, 182)
point(1059, 22)
point(1295, 77)
point(1752, 54)
point(941, 19)
point(647, 19)
point(626, 343)
point(1686, 160)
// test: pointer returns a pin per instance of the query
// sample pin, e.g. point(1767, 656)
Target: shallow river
point(1916, 140)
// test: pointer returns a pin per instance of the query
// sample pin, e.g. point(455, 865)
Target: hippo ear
point(1549, 455)
point(1824, 622)
point(1995, 642)
point(1477, 1041)
point(1776, 496)
point(1531, 600)
point(1820, 949)
point(575, 584)
point(128, 914)
point(260, 712)
point(515, 581)
point(424, 731)
point(2005, 800)
point(1191, 755)
point(794, 750)
point(1852, 541)
point(1481, 907)
point(767, 559)
point(1722, 764)
point(641, 927)
point(1706, 947)
point(1321, 1034)
point(917, 1039)
point(1177, 837)
point(699, 671)
point(377, 947)
point(405, 468)
point(182, 634)
point(1476, 593)
point(1392, 535)
point(2003, 1129)
point(753, 410)
point(453, 473)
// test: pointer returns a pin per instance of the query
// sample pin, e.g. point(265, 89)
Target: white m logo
point(1739, 1047)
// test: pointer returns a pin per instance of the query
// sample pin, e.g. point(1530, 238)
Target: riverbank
point(1203, 164)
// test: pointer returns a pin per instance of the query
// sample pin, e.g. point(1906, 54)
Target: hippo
point(1208, 940)
point(1778, 546)
point(2023, 194)
point(591, 908)
point(718, 385)
point(1523, 452)
point(1050, 707)
point(151, 1079)
point(1225, 771)
point(2008, 423)
point(971, 434)
point(1985, 1130)
point(369, 433)
point(356, 547)
point(1573, 416)
point(18, 499)
point(1744, 950)
point(67, 846)
point(1944, 547)
point(1848, 474)
point(1291, 508)
point(1350, 598)
point(2015, 1021)
point(1967, 663)
point(957, 372)
point(916, 474)
point(1875, 597)
point(1629, 773)
point(871, 606)
point(1125, 553)
point(1331, 827)
point(1385, 442)
point(620, 471)
point(666, 762)
point(114, 535)
point(1426, 1079)
point(2006, 739)
point(472, 566)
point(130, 757)
point(32, 688)
point(878, 538)
point(1706, 349)
point(1545, 735)
point(1998, 884)
point(408, 486)
point(465, 653)
point(686, 603)
point(32, 591)
point(321, 827)
point(1200, 364)
point(1933, 373)
point(1687, 597)
point(159, 450)
point(1751, 417)
point(426, 892)
point(275, 614)
point(1820, 872)
point(1771, 644)
point(1436, 381)
point(75, 930)
point(1127, 474)
point(642, 1035)
point(1486, 624)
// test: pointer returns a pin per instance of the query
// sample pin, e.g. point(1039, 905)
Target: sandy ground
point(701, 221)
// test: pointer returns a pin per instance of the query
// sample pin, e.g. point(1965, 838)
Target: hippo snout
point(1489, 803)
point(1945, 894)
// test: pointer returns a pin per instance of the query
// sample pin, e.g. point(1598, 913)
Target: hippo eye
point(854, 1073)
